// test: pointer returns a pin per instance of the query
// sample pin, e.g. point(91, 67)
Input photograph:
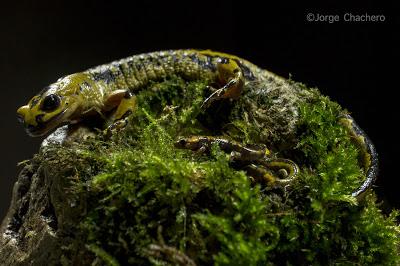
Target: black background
point(356, 63)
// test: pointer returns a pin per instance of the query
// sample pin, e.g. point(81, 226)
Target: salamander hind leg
point(123, 102)
point(272, 172)
point(286, 170)
point(260, 174)
point(231, 76)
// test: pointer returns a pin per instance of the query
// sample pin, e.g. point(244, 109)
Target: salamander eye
point(50, 103)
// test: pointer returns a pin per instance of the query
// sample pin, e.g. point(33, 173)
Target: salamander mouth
point(44, 128)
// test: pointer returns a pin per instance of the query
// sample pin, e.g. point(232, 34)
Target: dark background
point(356, 63)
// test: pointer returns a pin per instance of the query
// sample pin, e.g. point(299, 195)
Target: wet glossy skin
point(108, 90)
point(62, 102)
point(369, 156)
point(111, 86)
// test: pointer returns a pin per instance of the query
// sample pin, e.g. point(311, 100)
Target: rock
point(42, 217)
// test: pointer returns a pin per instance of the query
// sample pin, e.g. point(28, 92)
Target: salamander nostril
point(39, 118)
point(30, 127)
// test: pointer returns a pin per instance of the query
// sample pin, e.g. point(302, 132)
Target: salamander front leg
point(124, 103)
point(231, 76)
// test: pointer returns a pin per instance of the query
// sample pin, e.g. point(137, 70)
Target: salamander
point(111, 88)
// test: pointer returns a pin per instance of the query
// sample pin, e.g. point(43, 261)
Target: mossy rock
point(135, 199)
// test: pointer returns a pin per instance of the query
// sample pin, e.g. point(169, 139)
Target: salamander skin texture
point(109, 90)
point(106, 87)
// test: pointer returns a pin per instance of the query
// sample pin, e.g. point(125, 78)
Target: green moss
point(326, 147)
point(141, 191)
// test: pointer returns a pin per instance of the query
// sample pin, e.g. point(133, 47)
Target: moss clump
point(327, 148)
point(150, 203)
point(200, 204)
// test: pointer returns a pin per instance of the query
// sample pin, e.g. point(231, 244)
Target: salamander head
point(57, 104)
